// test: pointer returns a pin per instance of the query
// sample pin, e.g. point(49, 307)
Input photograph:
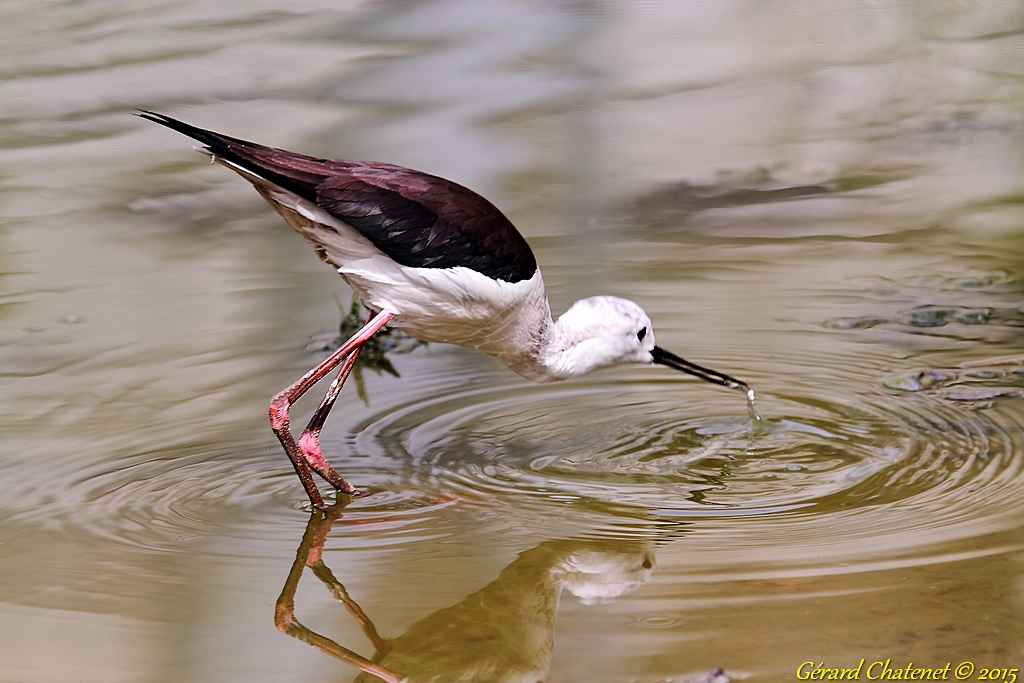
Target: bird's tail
point(296, 173)
point(215, 142)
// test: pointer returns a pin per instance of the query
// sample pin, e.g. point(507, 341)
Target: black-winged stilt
point(437, 260)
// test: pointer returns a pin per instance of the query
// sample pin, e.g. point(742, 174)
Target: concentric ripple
point(640, 450)
point(625, 454)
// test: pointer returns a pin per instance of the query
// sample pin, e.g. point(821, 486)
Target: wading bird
point(436, 260)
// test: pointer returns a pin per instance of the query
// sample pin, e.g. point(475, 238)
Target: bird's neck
point(526, 339)
point(564, 353)
point(556, 351)
point(530, 355)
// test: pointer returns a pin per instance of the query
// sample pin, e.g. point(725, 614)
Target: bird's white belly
point(454, 305)
point(507, 320)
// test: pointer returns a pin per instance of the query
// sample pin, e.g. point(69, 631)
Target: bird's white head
point(605, 330)
point(599, 332)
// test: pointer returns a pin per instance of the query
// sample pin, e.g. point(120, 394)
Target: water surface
point(821, 199)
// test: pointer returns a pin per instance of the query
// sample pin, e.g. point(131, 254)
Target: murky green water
point(825, 200)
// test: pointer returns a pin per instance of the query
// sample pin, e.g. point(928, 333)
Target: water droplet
point(751, 408)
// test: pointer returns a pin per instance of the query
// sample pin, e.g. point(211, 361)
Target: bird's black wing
point(418, 220)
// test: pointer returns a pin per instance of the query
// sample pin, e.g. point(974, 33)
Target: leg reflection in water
point(502, 633)
point(310, 555)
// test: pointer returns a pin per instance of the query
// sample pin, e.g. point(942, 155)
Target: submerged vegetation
point(374, 355)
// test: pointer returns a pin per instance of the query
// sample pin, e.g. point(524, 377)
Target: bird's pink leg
point(309, 440)
point(280, 404)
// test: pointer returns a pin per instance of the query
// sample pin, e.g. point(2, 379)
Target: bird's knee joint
point(279, 414)
point(309, 446)
point(283, 617)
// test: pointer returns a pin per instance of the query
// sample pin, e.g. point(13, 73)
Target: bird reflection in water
point(502, 633)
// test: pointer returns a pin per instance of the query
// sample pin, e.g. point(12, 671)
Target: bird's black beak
point(663, 357)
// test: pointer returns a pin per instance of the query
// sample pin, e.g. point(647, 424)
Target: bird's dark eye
point(642, 333)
